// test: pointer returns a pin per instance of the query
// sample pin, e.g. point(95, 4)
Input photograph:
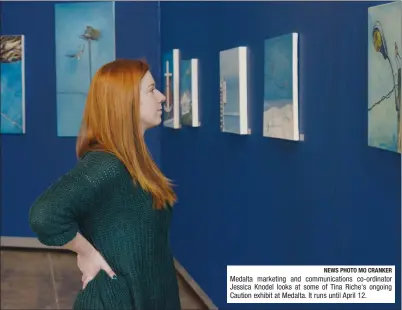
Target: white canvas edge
point(23, 95)
point(369, 12)
point(373, 7)
point(194, 93)
point(243, 91)
point(221, 106)
point(400, 91)
point(295, 76)
point(176, 88)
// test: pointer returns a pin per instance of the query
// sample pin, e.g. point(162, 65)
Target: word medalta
point(262, 290)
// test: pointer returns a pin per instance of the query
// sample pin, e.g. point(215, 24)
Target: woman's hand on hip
point(91, 264)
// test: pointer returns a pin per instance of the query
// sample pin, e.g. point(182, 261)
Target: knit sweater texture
point(99, 199)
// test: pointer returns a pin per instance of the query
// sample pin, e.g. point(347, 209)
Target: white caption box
point(311, 284)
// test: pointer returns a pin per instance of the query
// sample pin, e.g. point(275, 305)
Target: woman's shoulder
point(98, 157)
point(100, 165)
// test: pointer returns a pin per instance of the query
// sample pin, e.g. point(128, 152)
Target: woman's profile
point(114, 207)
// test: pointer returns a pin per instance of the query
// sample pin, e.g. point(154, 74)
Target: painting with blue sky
point(167, 69)
point(185, 93)
point(280, 115)
point(12, 68)
point(229, 81)
point(384, 76)
point(85, 41)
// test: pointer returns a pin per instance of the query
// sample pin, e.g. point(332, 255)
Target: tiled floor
point(50, 280)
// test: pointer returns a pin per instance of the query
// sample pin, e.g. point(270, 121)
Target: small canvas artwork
point(233, 65)
point(12, 68)
point(281, 116)
point(189, 92)
point(85, 41)
point(171, 89)
point(384, 76)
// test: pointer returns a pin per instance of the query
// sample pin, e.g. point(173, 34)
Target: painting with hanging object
point(384, 76)
point(85, 40)
point(12, 68)
point(281, 105)
point(171, 88)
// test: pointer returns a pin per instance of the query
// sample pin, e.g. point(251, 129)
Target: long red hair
point(111, 122)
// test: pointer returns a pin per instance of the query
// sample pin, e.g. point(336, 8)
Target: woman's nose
point(162, 97)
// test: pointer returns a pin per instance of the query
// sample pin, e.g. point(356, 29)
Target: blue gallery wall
point(31, 162)
point(252, 200)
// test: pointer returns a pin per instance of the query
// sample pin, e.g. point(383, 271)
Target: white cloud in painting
point(278, 122)
point(185, 101)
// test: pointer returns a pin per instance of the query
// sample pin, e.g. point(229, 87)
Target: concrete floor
point(40, 279)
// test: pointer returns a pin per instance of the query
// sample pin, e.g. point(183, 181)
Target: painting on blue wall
point(384, 76)
point(12, 68)
point(171, 89)
point(85, 41)
point(233, 67)
point(189, 92)
point(281, 107)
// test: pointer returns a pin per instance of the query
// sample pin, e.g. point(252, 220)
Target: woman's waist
point(136, 258)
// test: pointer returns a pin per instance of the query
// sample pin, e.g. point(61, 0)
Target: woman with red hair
point(114, 207)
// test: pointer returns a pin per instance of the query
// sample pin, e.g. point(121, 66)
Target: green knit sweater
point(98, 199)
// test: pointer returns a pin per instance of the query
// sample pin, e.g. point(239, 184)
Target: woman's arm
point(80, 245)
point(55, 215)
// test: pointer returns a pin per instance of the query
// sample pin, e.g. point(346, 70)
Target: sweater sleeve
point(54, 215)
